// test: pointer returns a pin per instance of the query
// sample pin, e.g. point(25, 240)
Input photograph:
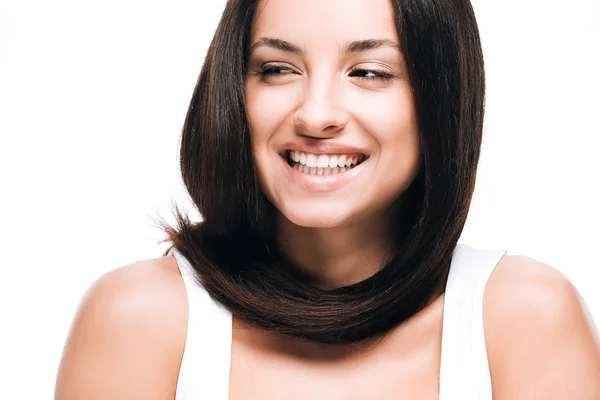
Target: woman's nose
point(321, 113)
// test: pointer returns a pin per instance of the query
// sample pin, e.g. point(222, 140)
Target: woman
point(331, 147)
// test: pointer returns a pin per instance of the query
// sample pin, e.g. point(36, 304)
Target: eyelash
point(268, 70)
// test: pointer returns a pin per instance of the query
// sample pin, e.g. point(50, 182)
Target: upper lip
point(329, 148)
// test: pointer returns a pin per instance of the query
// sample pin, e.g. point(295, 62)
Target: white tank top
point(464, 370)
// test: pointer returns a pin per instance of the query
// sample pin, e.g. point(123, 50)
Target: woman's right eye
point(274, 70)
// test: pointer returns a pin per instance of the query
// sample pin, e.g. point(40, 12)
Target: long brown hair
point(234, 249)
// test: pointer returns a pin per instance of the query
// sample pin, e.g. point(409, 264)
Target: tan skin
point(540, 345)
point(128, 335)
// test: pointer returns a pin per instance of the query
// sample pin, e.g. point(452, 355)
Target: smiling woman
point(354, 109)
point(332, 148)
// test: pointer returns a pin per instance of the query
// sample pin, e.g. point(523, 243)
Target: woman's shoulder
point(539, 333)
point(128, 334)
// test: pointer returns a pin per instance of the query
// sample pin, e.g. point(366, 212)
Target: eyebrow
point(355, 46)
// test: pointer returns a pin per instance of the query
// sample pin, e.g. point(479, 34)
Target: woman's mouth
point(323, 164)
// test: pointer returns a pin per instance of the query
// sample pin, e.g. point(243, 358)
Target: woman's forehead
point(324, 20)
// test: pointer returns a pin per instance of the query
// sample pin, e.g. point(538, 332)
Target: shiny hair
point(234, 248)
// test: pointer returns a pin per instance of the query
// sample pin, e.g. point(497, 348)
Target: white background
point(92, 101)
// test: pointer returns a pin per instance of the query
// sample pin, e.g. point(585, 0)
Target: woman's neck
point(336, 257)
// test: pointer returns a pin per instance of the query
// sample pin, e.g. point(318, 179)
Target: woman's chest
point(272, 383)
point(388, 372)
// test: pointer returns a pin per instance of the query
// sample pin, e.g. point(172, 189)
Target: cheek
point(401, 149)
point(393, 117)
point(393, 125)
point(268, 107)
point(399, 139)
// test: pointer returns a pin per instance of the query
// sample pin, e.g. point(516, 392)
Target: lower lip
point(323, 183)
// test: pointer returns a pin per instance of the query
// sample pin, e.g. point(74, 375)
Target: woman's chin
point(317, 217)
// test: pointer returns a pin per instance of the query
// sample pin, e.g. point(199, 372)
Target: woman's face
point(330, 109)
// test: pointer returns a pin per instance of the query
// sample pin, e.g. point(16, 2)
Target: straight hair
point(234, 248)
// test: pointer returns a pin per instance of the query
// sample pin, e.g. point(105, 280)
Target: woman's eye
point(271, 70)
point(274, 70)
point(371, 74)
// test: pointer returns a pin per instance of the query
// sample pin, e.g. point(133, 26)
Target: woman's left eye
point(371, 74)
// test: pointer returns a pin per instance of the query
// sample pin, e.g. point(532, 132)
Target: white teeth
point(326, 171)
point(333, 160)
point(323, 164)
point(323, 161)
point(311, 160)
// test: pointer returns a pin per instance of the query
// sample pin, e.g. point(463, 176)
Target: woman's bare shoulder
point(540, 339)
point(128, 335)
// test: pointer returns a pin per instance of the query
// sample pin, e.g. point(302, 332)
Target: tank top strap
point(464, 368)
point(204, 371)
